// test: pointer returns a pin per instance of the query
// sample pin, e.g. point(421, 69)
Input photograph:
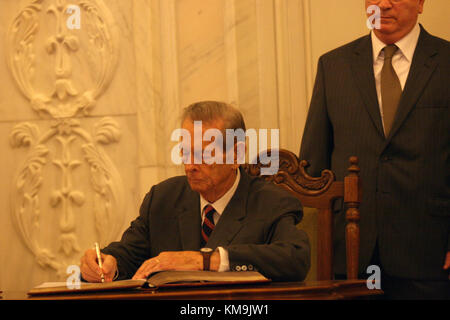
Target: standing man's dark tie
point(208, 224)
point(391, 90)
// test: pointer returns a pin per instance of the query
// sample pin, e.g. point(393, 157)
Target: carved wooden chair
point(321, 192)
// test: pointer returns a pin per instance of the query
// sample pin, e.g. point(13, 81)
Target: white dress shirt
point(220, 205)
point(401, 61)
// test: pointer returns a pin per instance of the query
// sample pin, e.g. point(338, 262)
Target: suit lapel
point(362, 69)
point(189, 220)
point(422, 66)
point(231, 220)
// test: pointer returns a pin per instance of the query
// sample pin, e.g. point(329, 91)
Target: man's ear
point(421, 3)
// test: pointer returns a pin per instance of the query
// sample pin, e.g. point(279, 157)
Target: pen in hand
point(99, 258)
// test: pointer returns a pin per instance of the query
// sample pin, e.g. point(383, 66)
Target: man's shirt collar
point(407, 45)
point(220, 204)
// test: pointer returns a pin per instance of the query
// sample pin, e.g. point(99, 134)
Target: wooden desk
point(314, 290)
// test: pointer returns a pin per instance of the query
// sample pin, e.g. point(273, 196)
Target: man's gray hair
point(207, 111)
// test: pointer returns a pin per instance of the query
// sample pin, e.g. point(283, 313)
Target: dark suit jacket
point(406, 176)
point(257, 228)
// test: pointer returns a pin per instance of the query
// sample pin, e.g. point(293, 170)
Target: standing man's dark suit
point(257, 229)
point(406, 176)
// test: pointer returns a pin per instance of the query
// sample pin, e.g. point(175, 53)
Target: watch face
point(206, 250)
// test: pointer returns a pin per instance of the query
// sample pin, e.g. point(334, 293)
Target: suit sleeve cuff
point(224, 261)
point(448, 245)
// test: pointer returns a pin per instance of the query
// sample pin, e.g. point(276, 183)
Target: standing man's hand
point(447, 263)
point(90, 270)
point(176, 260)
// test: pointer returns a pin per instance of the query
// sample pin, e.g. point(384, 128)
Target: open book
point(156, 280)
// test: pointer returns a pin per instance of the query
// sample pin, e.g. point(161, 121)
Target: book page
point(164, 278)
point(51, 285)
point(61, 287)
point(167, 277)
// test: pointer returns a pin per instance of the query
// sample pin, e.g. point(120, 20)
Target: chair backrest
point(321, 192)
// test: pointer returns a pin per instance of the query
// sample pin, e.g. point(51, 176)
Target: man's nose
point(189, 167)
point(385, 4)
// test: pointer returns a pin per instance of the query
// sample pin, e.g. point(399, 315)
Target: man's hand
point(447, 263)
point(176, 260)
point(90, 271)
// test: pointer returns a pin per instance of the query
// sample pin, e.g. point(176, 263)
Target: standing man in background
point(385, 98)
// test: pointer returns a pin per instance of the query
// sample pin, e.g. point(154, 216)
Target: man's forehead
point(218, 123)
point(197, 138)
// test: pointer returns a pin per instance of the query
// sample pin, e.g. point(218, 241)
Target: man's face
point(210, 180)
point(398, 17)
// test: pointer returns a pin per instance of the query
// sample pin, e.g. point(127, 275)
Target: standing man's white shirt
point(401, 61)
point(219, 206)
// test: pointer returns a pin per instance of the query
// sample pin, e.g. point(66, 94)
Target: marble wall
point(86, 113)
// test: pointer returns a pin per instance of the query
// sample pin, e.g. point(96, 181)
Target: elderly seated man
point(248, 223)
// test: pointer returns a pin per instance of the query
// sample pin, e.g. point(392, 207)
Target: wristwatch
point(206, 253)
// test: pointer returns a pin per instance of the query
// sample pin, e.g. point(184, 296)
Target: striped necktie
point(208, 224)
